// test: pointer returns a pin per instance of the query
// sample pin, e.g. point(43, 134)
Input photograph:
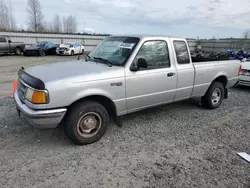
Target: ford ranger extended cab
point(7, 46)
point(123, 74)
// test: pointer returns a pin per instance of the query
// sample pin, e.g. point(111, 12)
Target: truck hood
point(64, 46)
point(74, 71)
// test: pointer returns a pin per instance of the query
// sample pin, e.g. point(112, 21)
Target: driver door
point(155, 84)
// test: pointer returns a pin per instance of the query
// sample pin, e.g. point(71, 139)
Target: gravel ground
point(178, 145)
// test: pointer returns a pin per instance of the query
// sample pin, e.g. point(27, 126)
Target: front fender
point(91, 92)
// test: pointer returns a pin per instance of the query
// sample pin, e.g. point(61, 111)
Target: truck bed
point(207, 71)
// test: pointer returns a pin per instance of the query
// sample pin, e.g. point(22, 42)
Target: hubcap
point(89, 124)
point(216, 96)
point(18, 51)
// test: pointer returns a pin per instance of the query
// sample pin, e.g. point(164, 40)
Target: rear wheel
point(18, 51)
point(86, 122)
point(214, 96)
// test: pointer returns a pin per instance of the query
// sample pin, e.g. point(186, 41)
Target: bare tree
point(35, 14)
point(57, 25)
point(72, 24)
point(7, 21)
point(3, 16)
point(64, 23)
point(69, 24)
point(11, 17)
point(246, 34)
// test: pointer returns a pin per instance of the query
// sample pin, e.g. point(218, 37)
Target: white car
point(244, 78)
point(70, 48)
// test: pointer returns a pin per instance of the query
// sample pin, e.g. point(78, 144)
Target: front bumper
point(244, 83)
point(63, 52)
point(39, 118)
point(244, 80)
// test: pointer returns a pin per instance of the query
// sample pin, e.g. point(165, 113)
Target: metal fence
point(223, 45)
point(90, 41)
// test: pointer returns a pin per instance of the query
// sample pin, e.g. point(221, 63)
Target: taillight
point(240, 69)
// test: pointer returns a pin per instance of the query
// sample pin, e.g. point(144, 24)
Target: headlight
point(67, 49)
point(36, 97)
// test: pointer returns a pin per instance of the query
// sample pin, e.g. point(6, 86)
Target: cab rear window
point(181, 52)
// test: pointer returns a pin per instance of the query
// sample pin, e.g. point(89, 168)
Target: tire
point(86, 112)
point(42, 53)
point(214, 96)
point(82, 51)
point(18, 51)
point(72, 53)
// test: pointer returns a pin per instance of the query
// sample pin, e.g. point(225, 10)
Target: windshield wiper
point(104, 60)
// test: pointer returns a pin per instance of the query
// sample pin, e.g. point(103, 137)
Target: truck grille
point(21, 90)
point(62, 48)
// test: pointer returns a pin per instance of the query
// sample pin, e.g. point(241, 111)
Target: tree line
point(35, 19)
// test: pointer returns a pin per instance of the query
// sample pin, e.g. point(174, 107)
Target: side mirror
point(141, 63)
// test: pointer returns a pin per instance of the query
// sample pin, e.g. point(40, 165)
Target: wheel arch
point(222, 79)
point(103, 100)
point(19, 47)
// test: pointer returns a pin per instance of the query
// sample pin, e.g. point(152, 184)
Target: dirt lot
point(178, 145)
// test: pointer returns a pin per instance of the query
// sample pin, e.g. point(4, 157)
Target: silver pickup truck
point(7, 46)
point(123, 74)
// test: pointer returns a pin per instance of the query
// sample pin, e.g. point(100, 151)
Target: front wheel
point(86, 122)
point(214, 96)
point(72, 53)
point(42, 53)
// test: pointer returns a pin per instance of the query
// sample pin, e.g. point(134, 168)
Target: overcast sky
point(186, 18)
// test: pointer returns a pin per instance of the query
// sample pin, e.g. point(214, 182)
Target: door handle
point(171, 74)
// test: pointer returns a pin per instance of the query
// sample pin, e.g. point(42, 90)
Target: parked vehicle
point(70, 48)
point(41, 49)
point(244, 78)
point(7, 46)
point(240, 54)
point(123, 74)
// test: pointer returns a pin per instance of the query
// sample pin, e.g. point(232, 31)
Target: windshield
point(115, 49)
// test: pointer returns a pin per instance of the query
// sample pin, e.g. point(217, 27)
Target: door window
point(2, 39)
point(181, 52)
point(155, 53)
